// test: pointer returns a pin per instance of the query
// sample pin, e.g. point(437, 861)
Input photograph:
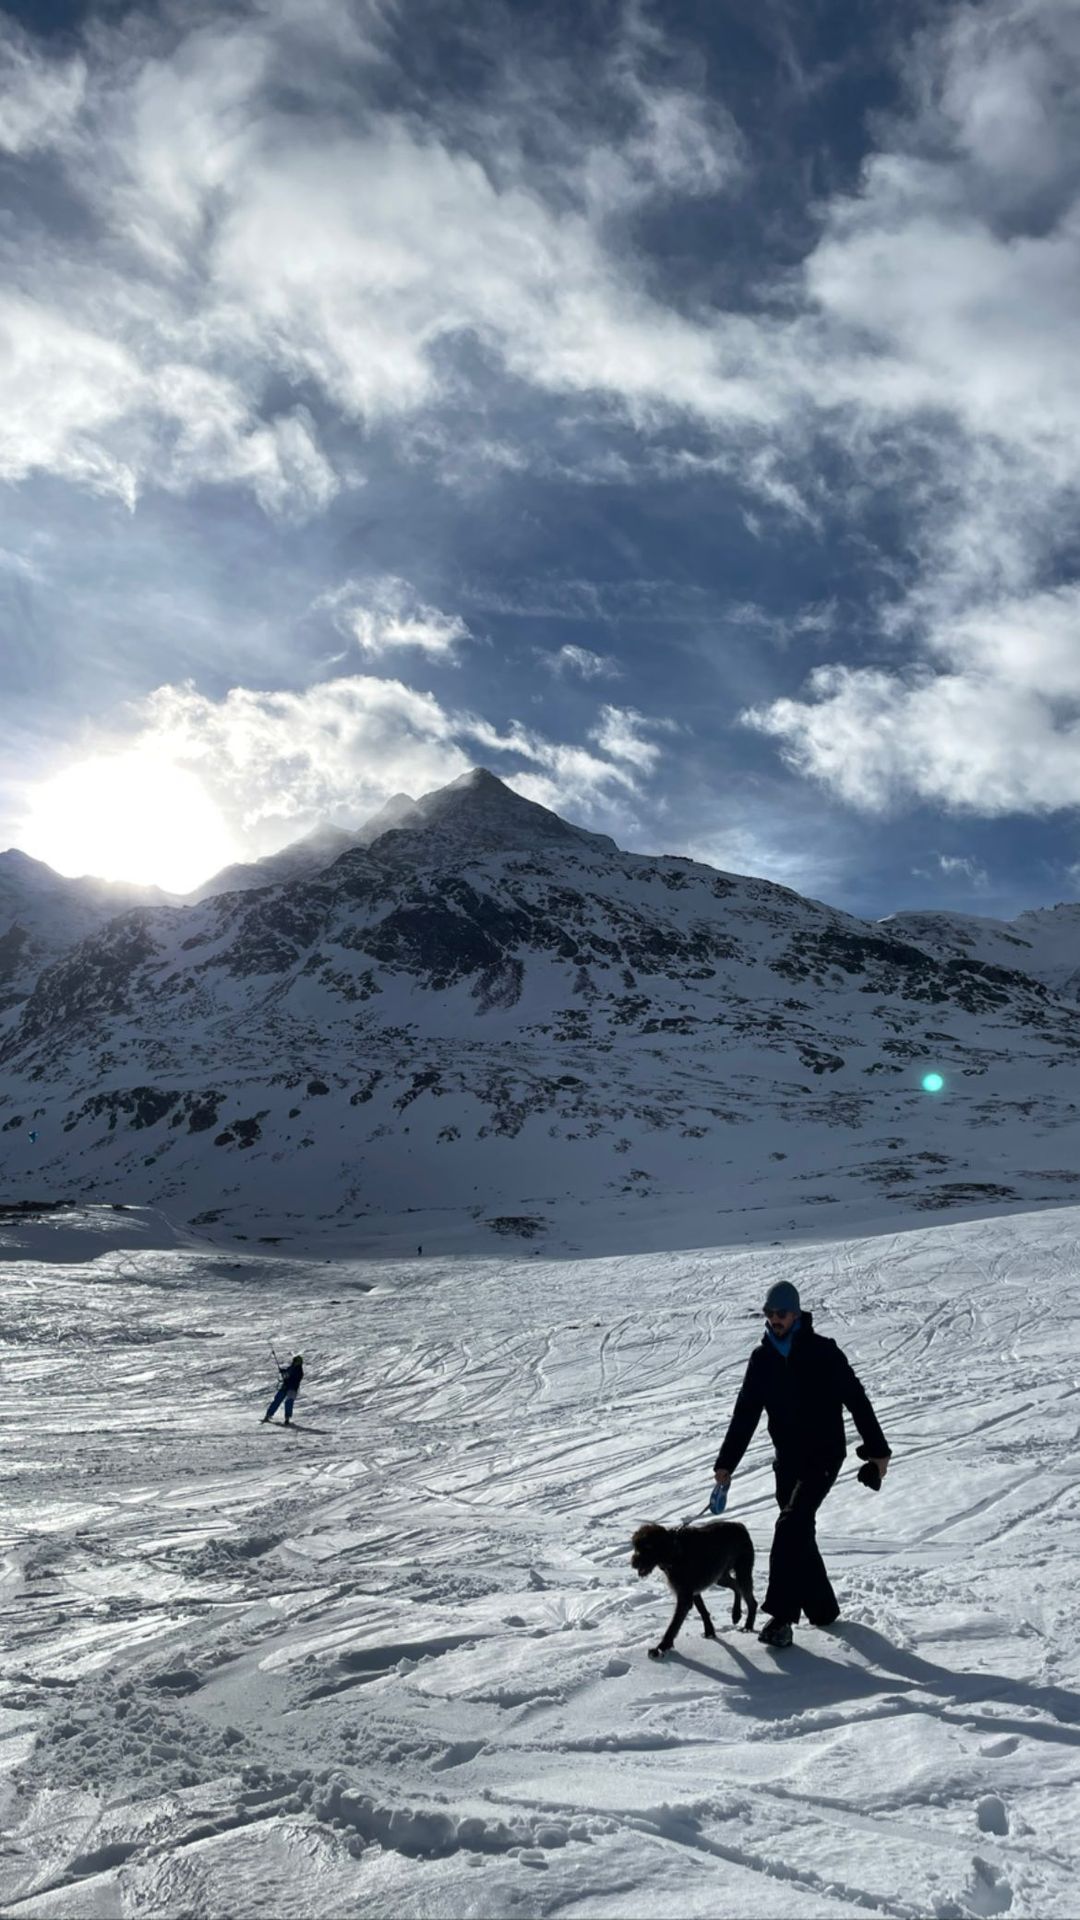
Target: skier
point(291, 1377)
point(803, 1382)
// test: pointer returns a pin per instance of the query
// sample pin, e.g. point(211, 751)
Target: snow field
point(395, 1662)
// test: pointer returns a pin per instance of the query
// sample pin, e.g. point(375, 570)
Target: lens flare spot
point(932, 1082)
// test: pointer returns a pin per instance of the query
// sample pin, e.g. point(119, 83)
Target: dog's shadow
point(803, 1680)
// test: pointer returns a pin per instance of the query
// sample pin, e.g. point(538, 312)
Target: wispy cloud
point(21, 565)
point(39, 96)
point(582, 662)
point(620, 733)
point(817, 620)
point(386, 614)
point(568, 776)
point(962, 866)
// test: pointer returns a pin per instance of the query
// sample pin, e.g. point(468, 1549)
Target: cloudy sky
point(673, 407)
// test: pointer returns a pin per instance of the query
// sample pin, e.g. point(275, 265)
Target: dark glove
point(869, 1474)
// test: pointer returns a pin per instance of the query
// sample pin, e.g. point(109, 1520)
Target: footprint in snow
point(458, 1755)
point(179, 1680)
point(988, 1892)
point(991, 1814)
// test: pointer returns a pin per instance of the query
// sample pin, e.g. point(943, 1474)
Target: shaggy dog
point(721, 1553)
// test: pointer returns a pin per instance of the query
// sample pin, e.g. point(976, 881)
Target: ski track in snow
point(395, 1662)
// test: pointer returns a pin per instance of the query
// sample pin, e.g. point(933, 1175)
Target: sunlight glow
point(129, 816)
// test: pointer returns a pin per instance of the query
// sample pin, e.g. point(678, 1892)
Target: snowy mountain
point(489, 1019)
point(42, 914)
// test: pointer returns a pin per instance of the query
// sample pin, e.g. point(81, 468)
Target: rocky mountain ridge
point(1044, 942)
point(301, 857)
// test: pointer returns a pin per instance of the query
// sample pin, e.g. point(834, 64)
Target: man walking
point(802, 1382)
point(291, 1377)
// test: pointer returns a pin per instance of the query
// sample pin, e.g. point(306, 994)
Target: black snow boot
point(776, 1633)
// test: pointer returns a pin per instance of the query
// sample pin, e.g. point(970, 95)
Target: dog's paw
point(657, 1653)
point(709, 1633)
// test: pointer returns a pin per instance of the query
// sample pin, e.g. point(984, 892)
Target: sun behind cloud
point(132, 816)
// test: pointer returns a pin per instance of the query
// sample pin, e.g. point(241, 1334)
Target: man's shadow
point(801, 1679)
point(956, 1688)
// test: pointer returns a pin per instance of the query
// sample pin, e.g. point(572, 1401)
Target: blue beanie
point(782, 1298)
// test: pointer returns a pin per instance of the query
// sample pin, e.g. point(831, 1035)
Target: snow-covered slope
point(488, 1012)
point(1044, 942)
point(394, 1663)
point(42, 915)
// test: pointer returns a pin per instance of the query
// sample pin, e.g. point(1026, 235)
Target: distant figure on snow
point(291, 1377)
point(802, 1382)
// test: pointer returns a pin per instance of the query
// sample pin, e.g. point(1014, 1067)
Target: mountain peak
point(26, 868)
point(17, 857)
point(478, 813)
point(477, 778)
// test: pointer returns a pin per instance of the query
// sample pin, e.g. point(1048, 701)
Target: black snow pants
point(798, 1582)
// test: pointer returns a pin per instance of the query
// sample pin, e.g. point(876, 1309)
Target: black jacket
point(292, 1375)
point(804, 1398)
